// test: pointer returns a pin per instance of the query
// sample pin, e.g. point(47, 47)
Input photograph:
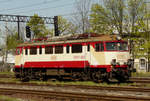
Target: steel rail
point(114, 88)
point(66, 95)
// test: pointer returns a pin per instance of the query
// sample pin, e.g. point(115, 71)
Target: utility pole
point(18, 22)
point(6, 52)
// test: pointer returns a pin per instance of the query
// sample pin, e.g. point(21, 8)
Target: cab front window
point(116, 46)
point(111, 46)
point(123, 46)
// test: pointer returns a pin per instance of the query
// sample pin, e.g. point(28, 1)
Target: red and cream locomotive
point(97, 58)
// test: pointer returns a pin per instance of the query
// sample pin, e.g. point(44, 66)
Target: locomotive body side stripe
point(57, 64)
point(17, 66)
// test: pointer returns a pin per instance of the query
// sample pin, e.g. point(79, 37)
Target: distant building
point(141, 64)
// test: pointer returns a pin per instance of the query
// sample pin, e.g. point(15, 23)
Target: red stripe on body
point(57, 64)
point(17, 66)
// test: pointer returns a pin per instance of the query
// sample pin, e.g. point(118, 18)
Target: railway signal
point(28, 32)
point(56, 26)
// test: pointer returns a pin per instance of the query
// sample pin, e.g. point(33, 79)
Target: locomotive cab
point(118, 56)
point(18, 61)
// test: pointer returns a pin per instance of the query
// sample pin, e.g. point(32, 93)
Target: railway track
point(65, 96)
point(6, 76)
point(145, 80)
point(109, 88)
point(76, 96)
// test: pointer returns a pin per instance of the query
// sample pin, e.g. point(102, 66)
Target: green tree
point(12, 41)
point(11, 44)
point(65, 26)
point(100, 20)
point(37, 26)
point(134, 16)
point(123, 16)
point(81, 18)
point(109, 16)
point(127, 17)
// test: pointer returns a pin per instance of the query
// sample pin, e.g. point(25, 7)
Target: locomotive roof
point(71, 39)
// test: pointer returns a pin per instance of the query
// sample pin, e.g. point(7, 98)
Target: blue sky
point(41, 7)
point(48, 8)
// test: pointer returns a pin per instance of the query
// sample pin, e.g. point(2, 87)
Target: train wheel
point(24, 78)
point(122, 77)
point(17, 75)
point(84, 76)
point(40, 76)
point(106, 77)
point(45, 78)
point(96, 77)
point(76, 76)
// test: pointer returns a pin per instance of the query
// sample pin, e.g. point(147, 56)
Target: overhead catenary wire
point(40, 9)
point(5, 1)
point(31, 5)
point(47, 8)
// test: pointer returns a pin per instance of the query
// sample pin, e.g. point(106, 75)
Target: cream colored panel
point(97, 58)
point(57, 57)
point(17, 59)
point(120, 57)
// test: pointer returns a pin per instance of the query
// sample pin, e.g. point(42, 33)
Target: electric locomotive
point(82, 57)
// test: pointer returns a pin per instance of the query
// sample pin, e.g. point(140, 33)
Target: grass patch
point(6, 98)
point(10, 80)
point(86, 83)
point(147, 74)
point(6, 73)
point(83, 83)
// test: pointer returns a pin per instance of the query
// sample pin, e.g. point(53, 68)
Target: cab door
point(19, 57)
point(87, 55)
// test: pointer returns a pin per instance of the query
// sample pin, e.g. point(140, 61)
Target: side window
point(48, 49)
point(59, 49)
point(99, 47)
point(67, 48)
point(88, 47)
point(26, 51)
point(76, 48)
point(40, 50)
point(33, 51)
